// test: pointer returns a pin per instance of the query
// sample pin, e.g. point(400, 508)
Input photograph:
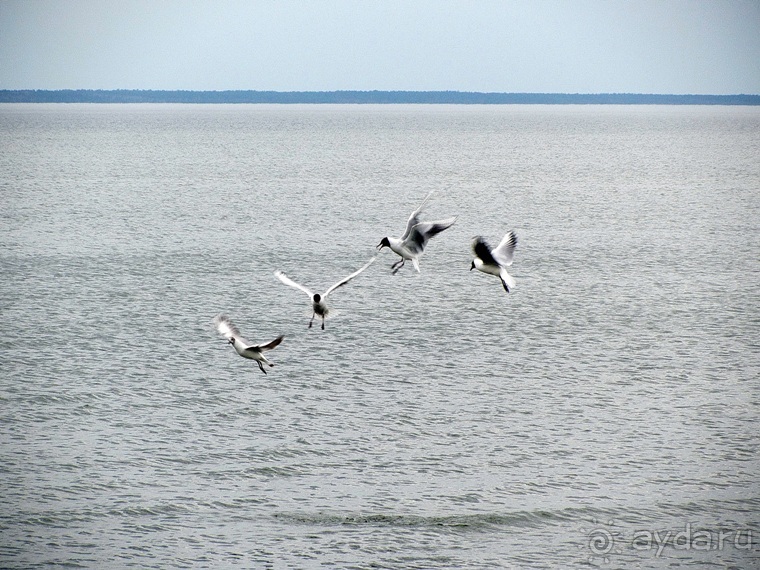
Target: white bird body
point(319, 302)
point(244, 348)
point(320, 307)
point(415, 237)
point(397, 246)
point(495, 261)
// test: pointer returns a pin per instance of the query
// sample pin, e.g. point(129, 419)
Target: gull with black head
point(495, 261)
point(243, 347)
point(411, 245)
point(319, 302)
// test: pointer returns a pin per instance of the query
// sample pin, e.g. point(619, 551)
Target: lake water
point(603, 414)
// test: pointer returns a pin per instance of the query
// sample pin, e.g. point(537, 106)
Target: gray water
point(603, 414)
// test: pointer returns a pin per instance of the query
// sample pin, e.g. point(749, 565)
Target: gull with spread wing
point(318, 302)
point(416, 236)
point(244, 348)
point(495, 261)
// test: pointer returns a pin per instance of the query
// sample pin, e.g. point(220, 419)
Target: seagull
point(318, 302)
point(495, 261)
point(253, 351)
point(417, 234)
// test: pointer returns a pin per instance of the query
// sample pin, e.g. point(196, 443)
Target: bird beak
point(379, 246)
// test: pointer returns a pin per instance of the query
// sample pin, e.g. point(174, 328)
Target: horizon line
point(154, 90)
point(250, 96)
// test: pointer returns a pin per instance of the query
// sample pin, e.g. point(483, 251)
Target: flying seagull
point(416, 236)
point(244, 348)
point(318, 302)
point(496, 260)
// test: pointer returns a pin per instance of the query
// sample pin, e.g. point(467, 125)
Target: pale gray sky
point(575, 46)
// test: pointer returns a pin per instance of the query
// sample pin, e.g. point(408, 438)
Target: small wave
point(274, 471)
point(726, 505)
point(166, 509)
point(475, 521)
point(285, 452)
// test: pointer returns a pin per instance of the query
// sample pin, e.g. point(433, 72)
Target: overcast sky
point(575, 46)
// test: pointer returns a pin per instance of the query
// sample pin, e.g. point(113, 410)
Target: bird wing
point(227, 328)
point(423, 231)
point(288, 281)
point(414, 218)
point(507, 280)
point(505, 251)
point(483, 251)
point(269, 345)
point(347, 279)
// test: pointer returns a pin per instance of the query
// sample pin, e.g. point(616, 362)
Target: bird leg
point(323, 322)
point(261, 367)
point(398, 265)
point(311, 322)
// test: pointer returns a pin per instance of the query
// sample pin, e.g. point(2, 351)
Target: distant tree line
point(365, 97)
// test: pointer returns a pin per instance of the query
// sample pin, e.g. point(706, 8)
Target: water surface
point(437, 422)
